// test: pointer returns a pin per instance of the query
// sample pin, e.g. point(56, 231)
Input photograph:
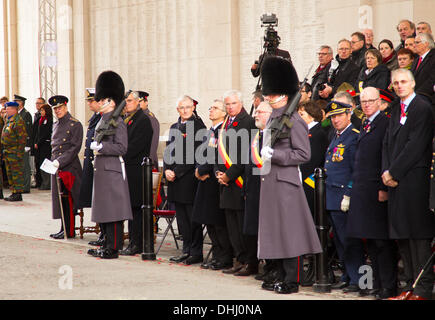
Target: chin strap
point(277, 100)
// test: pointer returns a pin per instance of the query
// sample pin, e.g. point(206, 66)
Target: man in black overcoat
point(206, 208)
point(179, 170)
point(140, 134)
point(229, 173)
point(368, 216)
point(406, 160)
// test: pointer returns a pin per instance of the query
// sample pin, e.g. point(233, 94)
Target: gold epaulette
point(355, 130)
point(74, 119)
point(151, 114)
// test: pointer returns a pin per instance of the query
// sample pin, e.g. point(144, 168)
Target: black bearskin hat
point(109, 85)
point(279, 77)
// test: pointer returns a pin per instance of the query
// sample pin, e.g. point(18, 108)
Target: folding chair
point(168, 215)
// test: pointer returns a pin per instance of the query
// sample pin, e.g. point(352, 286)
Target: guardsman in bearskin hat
point(339, 164)
point(111, 198)
point(284, 235)
point(66, 142)
point(13, 141)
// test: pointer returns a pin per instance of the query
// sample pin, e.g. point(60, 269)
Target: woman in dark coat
point(376, 74)
point(312, 115)
point(389, 56)
point(43, 142)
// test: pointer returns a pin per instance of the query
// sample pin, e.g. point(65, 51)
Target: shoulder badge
point(355, 130)
point(151, 114)
point(74, 119)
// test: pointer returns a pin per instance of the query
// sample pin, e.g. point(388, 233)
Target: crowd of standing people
point(366, 117)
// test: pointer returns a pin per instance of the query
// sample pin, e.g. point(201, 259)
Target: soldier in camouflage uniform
point(2, 123)
point(13, 141)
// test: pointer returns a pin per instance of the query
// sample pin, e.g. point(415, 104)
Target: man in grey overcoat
point(111, 198)
point(286, 228)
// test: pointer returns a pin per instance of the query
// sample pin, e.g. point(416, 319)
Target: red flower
point(310, 135)
point(130, 122)
point(235, 124)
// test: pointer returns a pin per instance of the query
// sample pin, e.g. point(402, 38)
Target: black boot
point(14, 197)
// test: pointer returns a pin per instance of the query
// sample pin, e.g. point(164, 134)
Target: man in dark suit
point(85, 198)
point(206, 209)
point(229, 173)
point(140, 133)
point(406, 159)
point(27, 117)
point(367, 217)
point(37, 175)
point(179, 170)
point(423, 67)
point(339, 166)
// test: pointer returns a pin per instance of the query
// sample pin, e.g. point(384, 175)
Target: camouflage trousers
point(15, 169)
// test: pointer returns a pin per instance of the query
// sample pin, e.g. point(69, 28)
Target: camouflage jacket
point(14, 135)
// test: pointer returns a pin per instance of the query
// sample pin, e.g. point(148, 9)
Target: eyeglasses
point(417, 42)
point(322, 53)
point(369, 102)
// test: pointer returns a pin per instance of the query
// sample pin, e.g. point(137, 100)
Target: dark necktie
point(366, 125)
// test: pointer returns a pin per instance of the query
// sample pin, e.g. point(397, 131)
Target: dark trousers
point(350, 250)
point(382, 254)
point(415, 253)
point(288, 270)
point(114, 232)
point(222, 250)
point(190, 230)
point(68, 211)
point(135, 229)
point(244, 246)
point(38, 177)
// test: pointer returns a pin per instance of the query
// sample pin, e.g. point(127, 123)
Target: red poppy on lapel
point(184, 135)
point(130, 122)
point(310, 135)
point(235, 124)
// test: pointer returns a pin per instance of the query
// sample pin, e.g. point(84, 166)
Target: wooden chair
point(168, 215)
point(82, 229)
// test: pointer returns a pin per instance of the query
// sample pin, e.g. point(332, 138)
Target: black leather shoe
point(247, 270)
point(221, 266)
point(284, 288)
point(109, 254)
point(97, 243)
point(14, 197)
point(385, 294)
point(60, 235)
point(339, 285)
point(95, 252)
point(268, 285)
point(236, 267)
point(56, 234)
point(193, 260)
point(180, 258)
point(130, 251)
point(351, 288)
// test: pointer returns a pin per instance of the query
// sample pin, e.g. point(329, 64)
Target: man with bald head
point(368, 34)
point(368, 215)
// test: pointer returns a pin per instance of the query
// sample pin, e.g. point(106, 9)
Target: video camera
point(271, 38)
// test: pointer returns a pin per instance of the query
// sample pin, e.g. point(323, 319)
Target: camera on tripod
point(271, 38)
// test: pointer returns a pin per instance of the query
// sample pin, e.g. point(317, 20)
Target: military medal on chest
point(337, 155)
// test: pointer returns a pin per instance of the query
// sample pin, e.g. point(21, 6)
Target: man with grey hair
point(357, 114)
point(206, 209)
point(423, 67)
point(179, 170)
point(423, 27)
point(237, 127)
point(406, 161)
point(325, 56)
point(405, 28)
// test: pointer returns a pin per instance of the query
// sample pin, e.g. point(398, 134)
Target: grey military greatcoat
point(110, 196)
point(286, 227)
point(66, 142)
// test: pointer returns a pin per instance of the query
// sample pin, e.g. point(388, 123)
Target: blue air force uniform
point(339, 166)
